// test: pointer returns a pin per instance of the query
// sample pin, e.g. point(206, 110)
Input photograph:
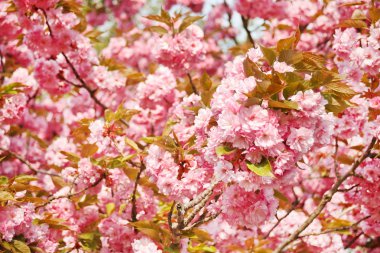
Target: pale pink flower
point(282, 67)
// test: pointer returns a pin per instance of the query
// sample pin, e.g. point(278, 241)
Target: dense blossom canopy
point(189, 126)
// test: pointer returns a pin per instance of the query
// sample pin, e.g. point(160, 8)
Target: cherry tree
point(189, 126)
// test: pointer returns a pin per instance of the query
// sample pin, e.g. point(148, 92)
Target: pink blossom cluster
point(180, 51)
point(266, 9)
point(357, 54)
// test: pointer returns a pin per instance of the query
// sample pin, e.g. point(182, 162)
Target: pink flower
point(46, 74)
point(265, 9)
point(144, 245)
point(375, 103)
point(248, 208)
point(85, 175)
point(182, 51)
point(345, 42)
point(300, 139)
point(282, 67)
point(267, 137)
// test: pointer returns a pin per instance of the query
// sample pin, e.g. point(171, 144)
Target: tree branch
point(192, 84)
point(230, 20)
point(75, 193)
point(249, 35)
point(327, 196)
point(294, 205)
point(336, 158)
point(2, 68)
point(133, 201)
point(24, 161)
point(331, 230)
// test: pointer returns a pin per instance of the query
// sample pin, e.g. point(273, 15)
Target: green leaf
point(88, 200)
point(290, 56)
point(167, 143)
point(165, 14)
point(355, 23)
point(285, 44)
point(252, 101)
point(152, 230)
point(198, 235)
point(135, 78)
point(269, 54)
point(159, 19)
point(70, 156)
point(11, 89)
point(206, 81)
point(109, 115)
point(188, 21)
point(224, 150)
point(88, 150)
point(251, 69)
point(158, 29)
point(320, 78)
point(374, 14)
point(52, 222)
point(126, 114)
point(122, 207)
point(336, 104)
point(21, 246)
point(5, 196)
point(202, 247)
point(132, 144)
point(340, 89)
point(90, 241)
point(263, 168)
point(280, 196)
point(283, 104)
point(313, 60)
point(3, 180)
point(150, 139)
point(110, 207)
point(7, 246)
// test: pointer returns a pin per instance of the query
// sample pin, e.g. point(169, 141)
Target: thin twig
point(192, 84)
point(327, 196)
point(294, 205)
point(170, 215)
point(331, 230)
point(2, 68)
point(202, 196)
point(133, 201)
point(75, 193)
point(196, 209)
point(249, 35)
point(336, 158)
point(230, 20)
point(348, 189)
point(47, 22)
point(24, 161)
point(83, 83)
point(77, 76)
point(202, 221)
point(353, 240)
